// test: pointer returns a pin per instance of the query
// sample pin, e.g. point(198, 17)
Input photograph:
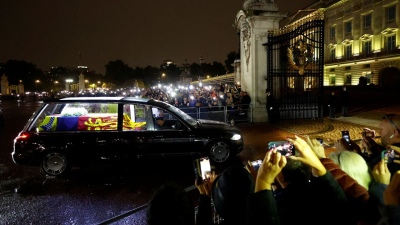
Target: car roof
point(105, 99)
point(99, 99)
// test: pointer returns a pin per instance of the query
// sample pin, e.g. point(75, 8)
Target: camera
point(286, 148)
point(256, 164)
point(346, 136)
point(201, 168)
point(388, 155)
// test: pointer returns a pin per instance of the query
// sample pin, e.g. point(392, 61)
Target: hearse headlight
point(236, 137)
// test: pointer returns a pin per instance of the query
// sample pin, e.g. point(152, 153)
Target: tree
point(231, 57)
point(118, 71)
point(19, 70)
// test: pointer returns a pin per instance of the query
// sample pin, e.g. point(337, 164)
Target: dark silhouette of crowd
point(354, 184)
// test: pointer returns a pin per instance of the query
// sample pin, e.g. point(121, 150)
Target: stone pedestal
point(81, 82)
point(254, 22)
point(4, 85)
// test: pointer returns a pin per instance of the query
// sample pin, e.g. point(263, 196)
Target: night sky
point(140, 33)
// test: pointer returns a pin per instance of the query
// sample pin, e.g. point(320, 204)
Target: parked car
point(82, 130)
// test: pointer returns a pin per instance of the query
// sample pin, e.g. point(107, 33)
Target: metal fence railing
point(228, 114)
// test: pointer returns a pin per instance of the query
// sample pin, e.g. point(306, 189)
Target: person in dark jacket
point(296, 204)
point(332, 104)
point(390, 210)
point(344, 101)
point(229, 192)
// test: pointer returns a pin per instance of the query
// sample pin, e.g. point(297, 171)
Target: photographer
point(306, 187)
point(229, 192)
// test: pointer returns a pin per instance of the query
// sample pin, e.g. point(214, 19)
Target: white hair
point(354, 165)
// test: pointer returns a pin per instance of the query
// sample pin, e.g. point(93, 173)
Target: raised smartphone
point(286, 148)
point(388, 155)
point(201, 168)
point(346, 136)
point(256, 164)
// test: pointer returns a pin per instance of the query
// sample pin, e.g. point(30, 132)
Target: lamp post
point(162, 77)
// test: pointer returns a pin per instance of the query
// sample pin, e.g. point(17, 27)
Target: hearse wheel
point(55, 164)
point(219, 151)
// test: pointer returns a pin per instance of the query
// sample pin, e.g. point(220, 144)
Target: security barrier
point(242, 113)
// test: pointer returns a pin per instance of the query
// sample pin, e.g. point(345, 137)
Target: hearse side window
point(47, 110)
point(79, 117)
point(164, 120)
point(134, 117)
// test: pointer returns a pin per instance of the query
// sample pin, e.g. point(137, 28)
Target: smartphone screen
point(388, 155)
point(286, 148)
point(346, 136)
point(205, 167)
point(256, 164)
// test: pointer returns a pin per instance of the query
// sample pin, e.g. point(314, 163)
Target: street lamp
point(55, 85)
point(36, 84)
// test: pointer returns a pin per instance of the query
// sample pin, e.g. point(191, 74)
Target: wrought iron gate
point(295, 68)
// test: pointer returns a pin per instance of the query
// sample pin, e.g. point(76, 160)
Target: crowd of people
point(201, 96)
point(353, 184)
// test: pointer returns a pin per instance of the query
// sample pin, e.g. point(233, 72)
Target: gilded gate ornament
point(300, 56)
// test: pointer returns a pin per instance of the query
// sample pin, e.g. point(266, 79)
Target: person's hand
point(381, 173)
point(370, 146)
point(271, 166)
point(391, 195)
point(355, 148)
point(307, 156)
point(396, 153)
point(205, 187)
point(368, 133)
point(342, 145)
point(316, 146)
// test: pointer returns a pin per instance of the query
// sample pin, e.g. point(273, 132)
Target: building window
point(333, 54)
point(348, 52)
point(367, 21)
point(391, 13)
point(367, 47)
point(347, 79)
point(347, 27)
point(332, 79)
point(333, 32)
point(391, 42)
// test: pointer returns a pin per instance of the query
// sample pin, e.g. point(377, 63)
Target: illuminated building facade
point(362, 43)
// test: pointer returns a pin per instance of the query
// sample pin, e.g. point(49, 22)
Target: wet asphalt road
point(93, 195)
